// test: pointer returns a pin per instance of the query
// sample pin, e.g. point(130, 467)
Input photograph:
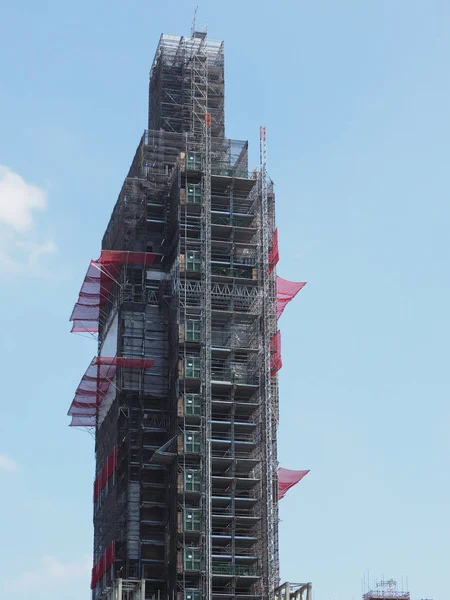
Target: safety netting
point(286, 291)
point(287, 478)
point(94, 386)
point(90, 392)
point(98, 283)
point(275, 353)
point(106, 561)
point(274, 255)
point(105, 473)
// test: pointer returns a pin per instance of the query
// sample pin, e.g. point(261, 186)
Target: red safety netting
point(274, 255)
point(95, 384)
point(275, 354)
point(105, 473)
point(286, 290)
point(124, 361)
point(82, 421)
point(106, 561)
point(98, 282)
point(90, 392)
point(287, 478)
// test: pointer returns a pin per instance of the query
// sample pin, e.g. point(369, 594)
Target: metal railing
point(238, 512)
point(234, 272)
point(229, 453)
point(236, 374)
point(131, 292)
point(238, 436)
point(242, 221)
point(236, 570)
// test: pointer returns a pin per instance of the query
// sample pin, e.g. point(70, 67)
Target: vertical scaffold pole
point(267, 405)
point(201, 130)
point(208, 344)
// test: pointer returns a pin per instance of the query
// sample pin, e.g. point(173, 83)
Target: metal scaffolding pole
point(267, 405)
point(201, 129)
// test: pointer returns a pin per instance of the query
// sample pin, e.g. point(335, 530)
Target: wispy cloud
point(7, 463)
point(49, 573)
point(21, 248)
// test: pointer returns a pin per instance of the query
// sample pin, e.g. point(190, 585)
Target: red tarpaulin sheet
point(105, 473)
point(97, 285)
point(95, 384)
point(90, 393)
point(274, 255)
point(82, 421)
point(287, 478)
point(106, 561)
point(286, 290)
point(124, 361)
point(275, 354)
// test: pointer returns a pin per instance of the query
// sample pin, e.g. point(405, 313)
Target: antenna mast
point(194, 21)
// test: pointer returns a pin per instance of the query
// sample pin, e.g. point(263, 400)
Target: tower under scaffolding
point(183, 395)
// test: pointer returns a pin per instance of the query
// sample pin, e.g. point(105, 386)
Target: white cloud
point(48, 575)
point(21, 249)
point(7, 463)
point(17, 199)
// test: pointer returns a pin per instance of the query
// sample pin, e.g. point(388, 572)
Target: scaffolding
point(173, 95)
point(186, 487)
point(123, 589)
point(386, 590)
point(294, 591)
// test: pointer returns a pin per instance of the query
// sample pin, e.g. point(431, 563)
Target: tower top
point(175, 49)
point(187, 71)
point(386, 590)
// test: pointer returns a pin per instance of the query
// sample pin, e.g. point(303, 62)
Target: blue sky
point(355, 98)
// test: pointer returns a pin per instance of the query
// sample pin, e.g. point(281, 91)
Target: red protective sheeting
point(109, 556)
point(275, 354)
point(95, 384)
point(82, 421)
point(286, 290)
point(94, 577)
point(274, 255)
point(111, 463)
point(98, 282)
point(103, 477)
point(106, 472)
point(89, 395)
point(287, 478)
point(105, 562)
point(123, 361)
